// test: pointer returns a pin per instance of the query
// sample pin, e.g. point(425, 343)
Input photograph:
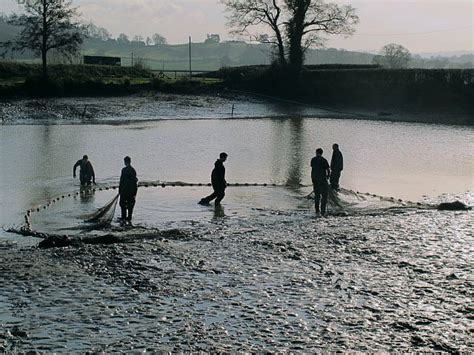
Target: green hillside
point(212, 56)
point(205, 56)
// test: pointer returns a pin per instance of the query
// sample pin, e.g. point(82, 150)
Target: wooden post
point(84, 112)
point(132, 59)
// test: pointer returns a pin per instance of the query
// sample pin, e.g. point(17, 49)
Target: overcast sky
point(419, 25)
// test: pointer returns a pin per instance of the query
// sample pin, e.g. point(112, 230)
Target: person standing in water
point(218, 181)
point(320, 172)
point(86, 173)
point(128, 189)
point(336, 167)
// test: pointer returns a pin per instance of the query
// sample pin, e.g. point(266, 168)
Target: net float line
point(149, 184)
point(389, 199)
point(400, 201)
point(144, 184)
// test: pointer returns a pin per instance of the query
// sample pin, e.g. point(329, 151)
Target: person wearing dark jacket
point(86, 173)
point(218, 181)
point(320, 172)
point(128, 190)
point(336, 167)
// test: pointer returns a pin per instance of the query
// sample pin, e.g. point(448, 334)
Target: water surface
point(262, 274)
point(403, 160)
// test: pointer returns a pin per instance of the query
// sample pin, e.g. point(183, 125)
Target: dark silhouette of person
point(128, 190)
point(218, 181)
point(337, 165)
point(320, 173)
point(86, 173)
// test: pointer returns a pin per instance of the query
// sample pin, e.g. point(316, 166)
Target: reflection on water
point(394, 159)
point(288, 143)
point(87, 194)
point(219, 212)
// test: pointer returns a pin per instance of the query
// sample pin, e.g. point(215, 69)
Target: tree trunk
point(296, 55)
point(44, 59)
point(44, 44)
point(295, 33)
point(281, 49)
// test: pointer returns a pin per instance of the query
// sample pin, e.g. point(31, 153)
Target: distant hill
point(445, 54)
point(7, 32)
point(212, 55)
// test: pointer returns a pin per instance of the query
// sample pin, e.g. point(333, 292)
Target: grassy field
point(20, 79)
point(13, 69)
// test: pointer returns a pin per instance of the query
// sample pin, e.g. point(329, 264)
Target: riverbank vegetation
point(366, 87)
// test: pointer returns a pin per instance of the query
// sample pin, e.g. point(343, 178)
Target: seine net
point(104, 215)
point(351, 202)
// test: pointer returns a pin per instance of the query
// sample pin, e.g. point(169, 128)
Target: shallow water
point(262, 274)
point(402, 160)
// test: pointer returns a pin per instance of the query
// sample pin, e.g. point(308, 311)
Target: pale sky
point(419, 25)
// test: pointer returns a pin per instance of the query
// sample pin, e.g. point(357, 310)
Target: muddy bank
point(136, 234)
point(287, 282)
point(143, 107)
point(152, 106)
point(103, 110)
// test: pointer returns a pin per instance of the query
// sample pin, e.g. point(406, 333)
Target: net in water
point(342, 203)
point(104, 215)
point(351, 202)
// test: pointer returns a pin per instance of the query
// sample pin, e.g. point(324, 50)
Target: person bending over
point(86, 173)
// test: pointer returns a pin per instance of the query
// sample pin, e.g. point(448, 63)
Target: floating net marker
point(344, 202)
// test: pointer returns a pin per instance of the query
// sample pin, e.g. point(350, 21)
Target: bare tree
point(308, 19)
point(296, 24)
point(138, 39)
point(244, 14)
point(47, 25)
point(97, 32)
point(212, 38)
point(159, 39)
point(393, 56)
point(123, 38)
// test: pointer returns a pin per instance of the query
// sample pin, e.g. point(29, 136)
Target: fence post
point(190, 67)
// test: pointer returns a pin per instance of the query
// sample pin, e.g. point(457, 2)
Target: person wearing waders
point(218, 182)
point(320, 172)
point(86, 173)
point(336, 167)
point(128, 190)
